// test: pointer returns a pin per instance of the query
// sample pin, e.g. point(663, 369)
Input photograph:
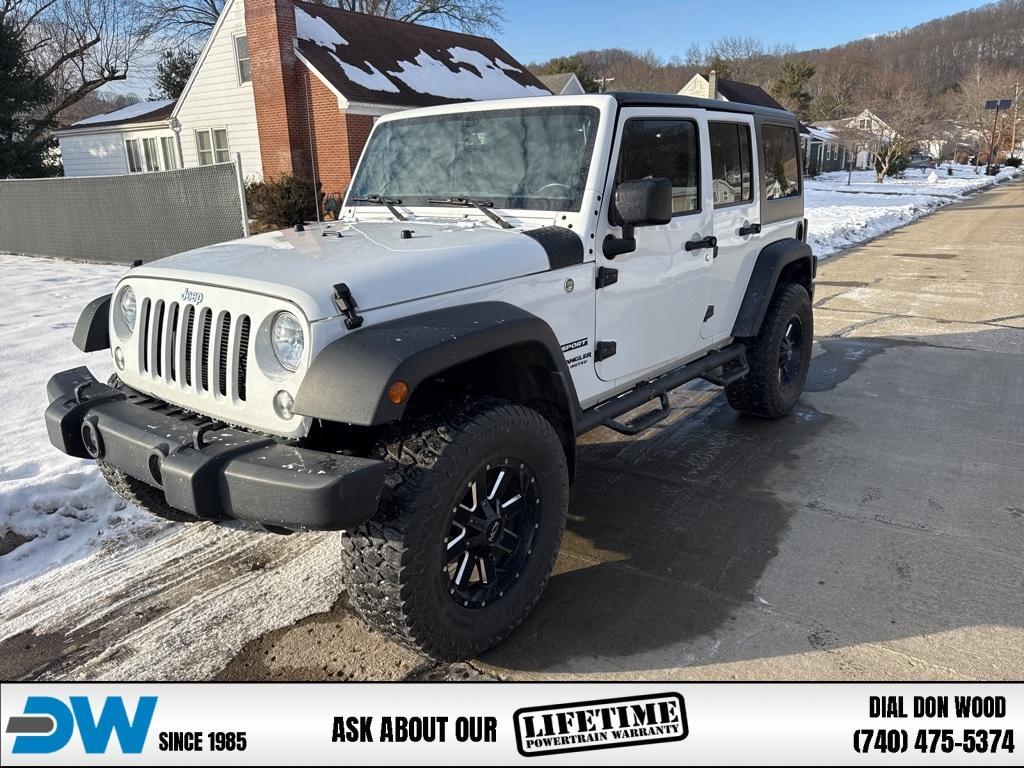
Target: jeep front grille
point(179, 339)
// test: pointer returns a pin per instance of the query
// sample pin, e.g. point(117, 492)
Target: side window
point(781, 167)
point(134, 155)
point(663, 148)
point(730, 163)
point(242, 60)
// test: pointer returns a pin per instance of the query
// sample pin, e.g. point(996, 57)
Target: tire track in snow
point(177, 606)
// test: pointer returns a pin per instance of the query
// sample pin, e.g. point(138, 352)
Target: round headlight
point(288, 340)
point(127, 304)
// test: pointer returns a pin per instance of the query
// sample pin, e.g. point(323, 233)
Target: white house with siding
point(214, 118)
point(366, 66)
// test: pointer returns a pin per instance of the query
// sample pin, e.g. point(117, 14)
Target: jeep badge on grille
point(190, 295)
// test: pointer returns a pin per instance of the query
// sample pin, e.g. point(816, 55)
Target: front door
point(654, 309)
point(737, 217)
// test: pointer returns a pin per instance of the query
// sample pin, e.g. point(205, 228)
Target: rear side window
point(730, 163)
point(781, 168)
point(663, 148)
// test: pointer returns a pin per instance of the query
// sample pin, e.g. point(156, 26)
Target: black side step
point(732, 360)
point(732, 371)
point(646, 421)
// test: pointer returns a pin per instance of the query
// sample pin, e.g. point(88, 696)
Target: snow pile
point(428, 75)
point(841, 215)
point(316, 30)
point(375, 80)
point(60, 504)
point(126, 113)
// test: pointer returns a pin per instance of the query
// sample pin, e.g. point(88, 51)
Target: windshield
point(535, 159)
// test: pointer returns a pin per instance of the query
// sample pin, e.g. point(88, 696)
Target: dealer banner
point(499, 724)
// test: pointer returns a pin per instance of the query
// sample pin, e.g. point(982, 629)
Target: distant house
point(865, 130)
point(822, 150)
point(130, 140)
point(565, 84)
point(294, 87)
point(713, 87)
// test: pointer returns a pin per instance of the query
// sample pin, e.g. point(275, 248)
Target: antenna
point(312, 156)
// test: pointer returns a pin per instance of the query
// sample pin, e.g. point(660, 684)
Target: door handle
point(705, 242)
point(750, 229)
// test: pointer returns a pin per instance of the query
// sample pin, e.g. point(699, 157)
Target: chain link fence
point(122, 219)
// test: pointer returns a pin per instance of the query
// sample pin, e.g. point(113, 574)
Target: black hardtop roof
point(640, 99)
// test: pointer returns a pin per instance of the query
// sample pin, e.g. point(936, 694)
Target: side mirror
point(640, 203)
point(643, 202)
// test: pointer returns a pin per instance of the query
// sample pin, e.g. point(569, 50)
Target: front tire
point(467, 531)
point(142, 495)
point(779, 357)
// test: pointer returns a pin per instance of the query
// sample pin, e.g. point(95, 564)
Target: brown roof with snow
point(373, 60)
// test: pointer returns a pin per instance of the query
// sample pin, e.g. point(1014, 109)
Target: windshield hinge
point(607, 276)
point(347, 306)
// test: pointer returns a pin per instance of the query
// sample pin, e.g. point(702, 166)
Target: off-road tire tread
point(142, 495)
point(753, 394)
point(378, 552)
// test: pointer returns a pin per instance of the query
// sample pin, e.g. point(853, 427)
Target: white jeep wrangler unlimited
point(504, 277)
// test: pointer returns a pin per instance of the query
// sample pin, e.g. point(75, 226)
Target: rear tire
point(467, 531)
point(779, 357)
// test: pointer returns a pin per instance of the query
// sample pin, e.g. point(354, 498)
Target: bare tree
point(905, 119)
point(192, 20)
point(967, 102)
point(77, 46)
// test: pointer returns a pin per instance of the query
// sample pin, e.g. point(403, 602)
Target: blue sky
point(536, 30)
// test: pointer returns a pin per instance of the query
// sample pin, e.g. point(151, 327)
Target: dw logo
point(48, 725)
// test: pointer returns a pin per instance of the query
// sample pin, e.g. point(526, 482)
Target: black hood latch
point(347, 306)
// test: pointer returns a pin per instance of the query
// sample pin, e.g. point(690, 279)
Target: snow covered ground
point(74, 555)
point(841, 215)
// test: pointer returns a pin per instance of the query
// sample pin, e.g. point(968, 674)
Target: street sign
point(998, 103)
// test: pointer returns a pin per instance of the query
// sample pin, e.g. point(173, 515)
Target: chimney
point(278, 87)
point(712, 84)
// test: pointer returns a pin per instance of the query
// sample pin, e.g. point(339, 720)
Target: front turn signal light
point(398, 392)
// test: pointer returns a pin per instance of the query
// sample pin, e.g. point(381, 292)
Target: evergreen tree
point(790, 87)
point(173, 71)
point(22, 97)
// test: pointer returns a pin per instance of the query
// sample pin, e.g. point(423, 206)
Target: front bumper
point(207, 469)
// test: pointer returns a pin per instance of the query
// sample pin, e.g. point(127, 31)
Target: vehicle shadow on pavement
point(666, 558)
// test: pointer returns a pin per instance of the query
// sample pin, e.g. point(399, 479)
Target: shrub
point(282, 202)
point(898, 166)
point(1013, 162)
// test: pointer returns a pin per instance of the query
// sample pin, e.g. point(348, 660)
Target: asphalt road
point(876, 533)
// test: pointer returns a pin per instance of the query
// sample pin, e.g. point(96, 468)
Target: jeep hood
point(379, 265)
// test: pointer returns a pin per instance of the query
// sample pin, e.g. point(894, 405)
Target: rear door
point(654, 309)
point(734, 175)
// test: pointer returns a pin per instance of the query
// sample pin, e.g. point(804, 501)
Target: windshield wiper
point(484, 206)
point(390, 202)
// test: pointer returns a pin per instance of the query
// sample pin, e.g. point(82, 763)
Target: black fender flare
point(92, 331)
point(348, 380)
point(771, 261)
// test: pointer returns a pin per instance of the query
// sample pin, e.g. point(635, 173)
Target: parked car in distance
point(504, 277)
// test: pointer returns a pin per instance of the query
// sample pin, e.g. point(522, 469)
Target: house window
point(242, 60)
point(730, 163)
point(151, 154)
point(864, 124)
point(663, 148)
point(170, 153)
point(781, 167)
point(134, 152)
point(212, 146)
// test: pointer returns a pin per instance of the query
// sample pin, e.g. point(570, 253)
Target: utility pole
point(996, 104)
point(602, 82)
point(1013, 125)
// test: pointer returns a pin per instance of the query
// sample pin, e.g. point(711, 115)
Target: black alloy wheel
point(492, 532)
